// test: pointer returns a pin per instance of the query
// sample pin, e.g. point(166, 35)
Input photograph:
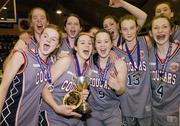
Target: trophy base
point(84, 108)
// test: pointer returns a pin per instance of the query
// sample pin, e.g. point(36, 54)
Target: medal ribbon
point(44, 68)
point(78, 70)
point(103, 74)
point(69, 47)
point(130, 56)
point(164, 65)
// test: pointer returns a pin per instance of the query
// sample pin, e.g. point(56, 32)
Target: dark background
point(90, 11)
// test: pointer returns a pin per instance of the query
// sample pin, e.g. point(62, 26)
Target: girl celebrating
point(107, 82)
point(110, 23)
point(38, 21)
point(136, 101)
point(73, 27)
point(165, 8)
point(165, 74)
point(24, 78)
point(66, 82)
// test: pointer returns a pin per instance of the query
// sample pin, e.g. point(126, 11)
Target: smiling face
point(49, 41)
point(103, 44)
point(161, 30)
point(38, 20)
point(84, 47)
point(72, 26)
point(164, 9)
point(111, 26)
point(129, 29)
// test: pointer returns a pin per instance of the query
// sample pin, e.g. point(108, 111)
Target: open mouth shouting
point(86, 52)
point(73, 32)
point(103, 51)
point(160, 37)
point(46, 47)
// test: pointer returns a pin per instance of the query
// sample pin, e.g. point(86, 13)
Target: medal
point(50, 87)
point(137, 75)
point(161, 72)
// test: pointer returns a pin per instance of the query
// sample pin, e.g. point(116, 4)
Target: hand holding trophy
point(75, 98)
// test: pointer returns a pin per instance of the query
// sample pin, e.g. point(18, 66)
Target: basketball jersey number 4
point(159, 91)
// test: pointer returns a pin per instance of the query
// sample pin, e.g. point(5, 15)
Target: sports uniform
point(136, 101)
point(21, 106)
point(103, 100)
point(64, 84)
point(33, 43)
point(65, 47)
point(176, 34)
point(166, 91)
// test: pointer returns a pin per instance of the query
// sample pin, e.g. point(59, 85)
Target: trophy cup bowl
point(75, 99)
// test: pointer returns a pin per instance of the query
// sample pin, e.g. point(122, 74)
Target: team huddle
point(133, 80)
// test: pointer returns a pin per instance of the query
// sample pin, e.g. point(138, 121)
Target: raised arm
point(10, 71)
point(138, 13)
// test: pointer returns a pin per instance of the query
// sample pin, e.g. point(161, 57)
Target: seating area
point(6, 44)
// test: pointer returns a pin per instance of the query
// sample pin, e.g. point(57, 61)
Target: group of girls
point(139, 87)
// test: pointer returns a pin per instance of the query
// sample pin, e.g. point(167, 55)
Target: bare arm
point(10, 71)
point(138, 13)
point(60, 109)
point(57, 69)
point(118, 82)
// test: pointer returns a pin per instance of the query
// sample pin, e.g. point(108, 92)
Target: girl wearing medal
point(165, 74)
point(136, 101)
point(38, 21)
point(72, 27)
point(107, 83)
point(24, 77)
point(77, 66)
point(110, 23)
point(165, 8)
